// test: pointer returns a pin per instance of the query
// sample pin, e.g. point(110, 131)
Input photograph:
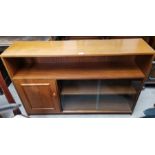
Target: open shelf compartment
point(110, 67)
point(102, 70)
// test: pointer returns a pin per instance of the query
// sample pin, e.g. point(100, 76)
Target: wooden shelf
point(80, 104)
point(91, 87)
point(84, 71)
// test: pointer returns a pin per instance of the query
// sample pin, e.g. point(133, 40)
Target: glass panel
point(111, 96)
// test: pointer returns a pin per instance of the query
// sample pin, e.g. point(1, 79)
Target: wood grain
point(78, 48)
point(38, 96)
point(97, 71)
point(35, 66)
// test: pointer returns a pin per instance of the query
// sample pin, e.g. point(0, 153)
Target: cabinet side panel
point(12, 65)
point(144, 62)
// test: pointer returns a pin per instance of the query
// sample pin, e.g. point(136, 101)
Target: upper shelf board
point(78, 48)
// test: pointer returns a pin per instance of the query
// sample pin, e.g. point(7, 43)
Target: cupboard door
point(38, 96)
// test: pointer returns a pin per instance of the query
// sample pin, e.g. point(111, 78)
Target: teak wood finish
point(36, 69)
point(78, 47)
point(38, 96)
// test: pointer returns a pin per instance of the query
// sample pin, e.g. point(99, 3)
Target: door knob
point(54, 94)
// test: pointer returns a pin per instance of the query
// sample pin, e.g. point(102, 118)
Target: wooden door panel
point(38, 96)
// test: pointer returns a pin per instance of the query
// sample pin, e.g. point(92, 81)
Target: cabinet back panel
point(62, 60)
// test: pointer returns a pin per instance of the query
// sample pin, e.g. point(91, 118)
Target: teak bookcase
point(80, 76)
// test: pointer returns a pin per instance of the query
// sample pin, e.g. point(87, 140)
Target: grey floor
point(145, 101)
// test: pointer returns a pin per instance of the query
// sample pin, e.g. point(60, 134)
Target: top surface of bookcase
point(78, 48)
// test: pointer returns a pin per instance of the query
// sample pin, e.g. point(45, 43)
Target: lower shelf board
point(85, 71)
point(89, 104)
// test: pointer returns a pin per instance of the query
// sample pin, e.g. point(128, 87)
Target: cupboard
point(79, 76)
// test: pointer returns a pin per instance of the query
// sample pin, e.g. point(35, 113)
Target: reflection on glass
point(115, 96)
